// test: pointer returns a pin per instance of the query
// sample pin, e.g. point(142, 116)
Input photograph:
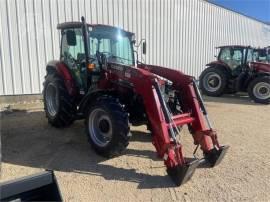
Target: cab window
point(249, 55)
point(75, 52)
point(112, 43)
point(237, 56)
point(225, 54)
point(232, 57)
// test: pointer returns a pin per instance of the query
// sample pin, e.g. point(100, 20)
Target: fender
point(257, 74)
point(63, 71)
point(262, 74)
point(220, 64)
point(90, 97)
point(260, 67)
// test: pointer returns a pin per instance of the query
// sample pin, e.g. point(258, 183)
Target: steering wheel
point(111, 57)
point(70, 58)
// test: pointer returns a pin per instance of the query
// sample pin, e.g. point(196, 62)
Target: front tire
point(58, 104)
point(213, 81)
point(107, 127)
point(259, 90)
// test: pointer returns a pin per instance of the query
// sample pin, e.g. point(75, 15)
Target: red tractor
point(98, 79)
point(237, 69)
point(262, 54)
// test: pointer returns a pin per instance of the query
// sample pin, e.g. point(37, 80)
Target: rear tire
point(58, 104)
point(213, 81)
point(259, 89)
point(107, 127)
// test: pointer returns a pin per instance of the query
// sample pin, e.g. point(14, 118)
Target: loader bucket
point(215, 156)
point(37, 187)
point(181, 174)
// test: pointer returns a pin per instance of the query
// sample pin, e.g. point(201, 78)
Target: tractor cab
point(236, 58)
point(103, 41)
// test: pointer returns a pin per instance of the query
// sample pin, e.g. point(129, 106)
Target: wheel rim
point(51, 98)
point(212, 82)
point(262, 90)
point(100, 127)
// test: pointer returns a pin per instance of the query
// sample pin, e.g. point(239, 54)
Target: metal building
point(180, 34)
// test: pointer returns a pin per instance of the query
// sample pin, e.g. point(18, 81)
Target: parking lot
point(30, 145)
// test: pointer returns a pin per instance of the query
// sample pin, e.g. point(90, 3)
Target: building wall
point(179, 34)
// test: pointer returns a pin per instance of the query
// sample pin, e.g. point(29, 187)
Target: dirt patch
point(29, 145)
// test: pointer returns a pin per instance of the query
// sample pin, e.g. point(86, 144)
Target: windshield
point(113, 43)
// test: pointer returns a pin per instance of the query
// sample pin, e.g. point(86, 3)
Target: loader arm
point(146, 84)
point(202, 132)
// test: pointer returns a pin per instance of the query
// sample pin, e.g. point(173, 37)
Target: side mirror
point(144, 48)
point(71, 38)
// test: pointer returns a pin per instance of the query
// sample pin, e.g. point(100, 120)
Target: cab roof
point(70, 25)
point(234, 46)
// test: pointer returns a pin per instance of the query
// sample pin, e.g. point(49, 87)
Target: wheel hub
point(263, 90)
point(100, 127)
point(212, 82)
point(104, 126)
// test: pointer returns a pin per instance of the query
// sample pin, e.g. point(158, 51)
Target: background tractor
point(262, 54)
point(98, 79)
point(237, 69)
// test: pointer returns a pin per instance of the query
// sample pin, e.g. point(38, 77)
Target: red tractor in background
point(98, 79)
point(262, 54)
point(238, 68)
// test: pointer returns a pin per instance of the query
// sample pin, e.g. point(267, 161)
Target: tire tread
point(120, 139)
point(67, 109)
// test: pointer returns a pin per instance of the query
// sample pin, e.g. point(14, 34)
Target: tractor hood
point(260, 67)
point(168, 73)
point(130, 71)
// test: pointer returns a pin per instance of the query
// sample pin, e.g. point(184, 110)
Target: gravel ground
point(30, 145)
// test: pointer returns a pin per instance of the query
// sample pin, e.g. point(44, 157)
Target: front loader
point(99, 79)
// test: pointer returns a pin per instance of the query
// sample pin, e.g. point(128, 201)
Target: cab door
point(73, 55)
point(233, 58)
